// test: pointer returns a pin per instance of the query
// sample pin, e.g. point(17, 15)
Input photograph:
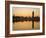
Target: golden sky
point(25, 12)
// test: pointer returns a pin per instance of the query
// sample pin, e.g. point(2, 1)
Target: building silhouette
point(22, 19)
point(32, 19)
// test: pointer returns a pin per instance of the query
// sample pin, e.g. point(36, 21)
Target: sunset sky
point(25, 12)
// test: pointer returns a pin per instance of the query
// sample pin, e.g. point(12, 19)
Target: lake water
point(26, 25)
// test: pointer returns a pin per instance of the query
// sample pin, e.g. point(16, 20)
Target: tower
point(32, 19)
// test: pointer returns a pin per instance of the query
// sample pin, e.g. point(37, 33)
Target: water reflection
point(26, 25)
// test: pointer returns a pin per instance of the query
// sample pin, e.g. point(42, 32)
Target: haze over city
point(26, 12)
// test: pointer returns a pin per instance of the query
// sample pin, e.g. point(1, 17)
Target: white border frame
point(25, 31)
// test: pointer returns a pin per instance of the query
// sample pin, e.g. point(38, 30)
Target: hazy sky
point(26, 12)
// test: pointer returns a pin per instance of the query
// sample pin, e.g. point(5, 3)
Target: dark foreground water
point(26, 25)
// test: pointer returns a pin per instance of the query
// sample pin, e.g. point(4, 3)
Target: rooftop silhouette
point(21, 19)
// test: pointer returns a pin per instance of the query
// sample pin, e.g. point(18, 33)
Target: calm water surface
point(26, 25)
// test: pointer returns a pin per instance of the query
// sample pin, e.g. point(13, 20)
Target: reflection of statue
point(32, 19)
